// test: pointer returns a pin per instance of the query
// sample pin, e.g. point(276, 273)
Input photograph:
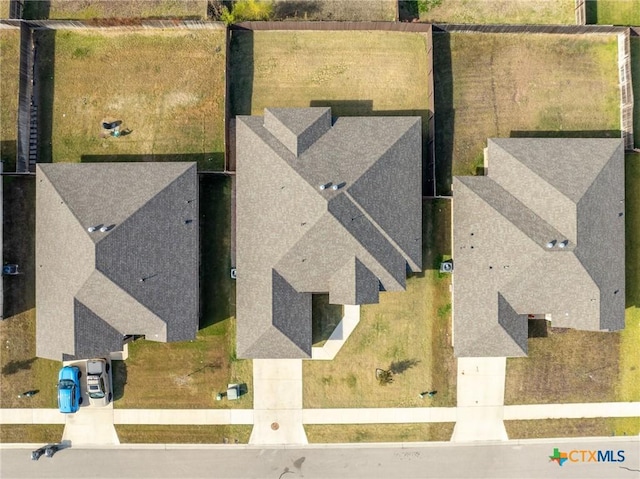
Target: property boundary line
point(581, 12)
point(626, 88)
point(26, 104)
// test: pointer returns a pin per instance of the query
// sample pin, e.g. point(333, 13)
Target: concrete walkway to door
point(277, 402)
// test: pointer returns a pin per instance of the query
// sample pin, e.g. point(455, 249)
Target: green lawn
point(344, 433)
point(189, 374)
point(87, 9)
point(336, 10)
point(31, 433)
point(501, 11)
point(614, 12)
point(635, 78)
point(407, 331)
point(502, 85)
point(166, 86)
point(9, 86)
point(162, 434)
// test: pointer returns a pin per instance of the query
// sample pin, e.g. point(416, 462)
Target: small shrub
point(352, 381)
point(425, 5)
point(81, 52)
point(443, 311)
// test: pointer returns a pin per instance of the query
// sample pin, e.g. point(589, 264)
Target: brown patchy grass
point(347, 433)
point(550, 428)
point(31, 433)
point(354, 72)
point(567, 366)
point(161, 434)
point(502, 11)
point(9, 86)
point(411, 329)
point(87, 9)
point(166, 86)
point(501, 85)
point(635, 78)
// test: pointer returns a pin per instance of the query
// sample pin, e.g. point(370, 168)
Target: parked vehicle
point(98, 382)
point(69, 394)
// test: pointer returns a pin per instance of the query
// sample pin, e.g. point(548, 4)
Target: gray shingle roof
point(538, 191)
point(294, 239)
point(139, 277)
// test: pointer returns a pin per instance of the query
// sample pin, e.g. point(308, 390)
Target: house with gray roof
point(323, 206)
point(116, 254)
point(541, 233)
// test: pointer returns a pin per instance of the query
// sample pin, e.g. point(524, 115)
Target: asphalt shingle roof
point(295, 239)
point(567, 192)
point(139, 277)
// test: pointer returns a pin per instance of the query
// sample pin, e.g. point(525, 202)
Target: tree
point(247, 10)
point(384, 377)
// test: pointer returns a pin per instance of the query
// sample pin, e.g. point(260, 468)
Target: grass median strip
point(343, 433)
point(161, 434)
point(31, 433)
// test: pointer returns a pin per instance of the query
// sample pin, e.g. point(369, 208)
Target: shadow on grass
point(119, 378)
point(206, 161)
point(43, 89)
point(591, 8)
point(15, 366)
point(399, 367)
point(36, 9)
point(217, 289)
point(8, 151)
point(240, 75)
point(301, 9)
point(564, 134)
point(324, 319)
point(445, 113)
point(632, 223)
point(436, 234)
point(408, 10)
point(19, 232)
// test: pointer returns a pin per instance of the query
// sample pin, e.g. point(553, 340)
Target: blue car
point(69, 396)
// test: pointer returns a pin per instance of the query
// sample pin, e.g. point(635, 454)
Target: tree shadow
point(15, 366)
point(217, 289)
point(408, 10)
point(296, 9)
point(119, 378)
point(399, 367)
point(444, 111)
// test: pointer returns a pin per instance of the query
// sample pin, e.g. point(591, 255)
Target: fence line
point(626, 89)
point(335, 26)
point(133, 24)
point(581, 12)
point(26, 112)
point(555, 29)
point(431, 129)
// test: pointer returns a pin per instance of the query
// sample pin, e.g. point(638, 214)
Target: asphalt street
point(514, 459)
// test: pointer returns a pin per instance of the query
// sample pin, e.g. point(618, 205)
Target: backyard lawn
point(189, 374)
point(86, 9)
point(344, 433)
point(613, 12)
point(507, 85)
point(337, 10)
point(407, 332)
point(9, 78)
point(165, 86)
point(563, 368)
point(500, 11)
point(162, 434)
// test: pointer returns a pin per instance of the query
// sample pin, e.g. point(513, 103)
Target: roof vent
point(551, 243)
point(104, 229)
point(91, 229)
point(324, 186)
point(563, 244)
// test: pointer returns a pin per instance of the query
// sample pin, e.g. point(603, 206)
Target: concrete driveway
point(480, 400)
point(91, 425)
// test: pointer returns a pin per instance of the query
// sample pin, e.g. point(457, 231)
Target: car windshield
point(96, 395)
point(65, 384)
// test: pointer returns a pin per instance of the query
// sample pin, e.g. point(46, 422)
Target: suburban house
point(323, 206)
point(116, 254)
point(540, 235)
